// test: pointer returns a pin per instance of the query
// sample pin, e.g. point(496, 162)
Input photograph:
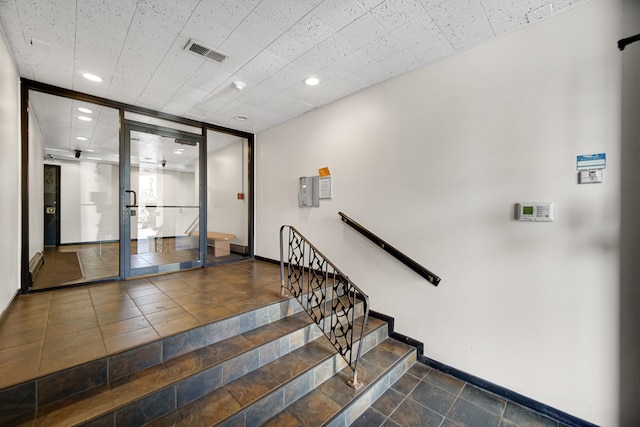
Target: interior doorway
point(161, 199)
point(115, 193)
point(51, 203)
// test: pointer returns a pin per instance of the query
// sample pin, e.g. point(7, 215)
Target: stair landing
point(49, 331)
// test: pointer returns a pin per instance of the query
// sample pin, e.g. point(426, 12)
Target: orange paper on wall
point(324, 172)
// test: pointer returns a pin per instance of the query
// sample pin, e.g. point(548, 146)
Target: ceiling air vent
point(206, 51)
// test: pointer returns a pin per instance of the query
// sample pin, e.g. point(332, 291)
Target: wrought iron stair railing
point(327, 295)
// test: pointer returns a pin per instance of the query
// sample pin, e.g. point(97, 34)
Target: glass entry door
point(161, 201)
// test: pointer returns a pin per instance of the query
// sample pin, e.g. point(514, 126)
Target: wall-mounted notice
point(325, 183)
point(591, 161)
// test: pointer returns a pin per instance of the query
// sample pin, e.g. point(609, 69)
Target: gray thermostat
point(535, 211)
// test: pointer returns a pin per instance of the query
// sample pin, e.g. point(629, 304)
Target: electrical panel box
point(535, 211)
point(309, 192)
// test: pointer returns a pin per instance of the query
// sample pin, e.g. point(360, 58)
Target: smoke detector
point(239, 86)
point(206, 51)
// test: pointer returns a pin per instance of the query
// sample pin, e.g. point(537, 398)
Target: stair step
point(145, 383)
point(83, 392)
point(335, 404)
point(261, 394)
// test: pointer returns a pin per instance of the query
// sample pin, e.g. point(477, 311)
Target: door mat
point(58, 268)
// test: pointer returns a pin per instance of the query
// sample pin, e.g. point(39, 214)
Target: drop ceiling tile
point(401, 62)
point(300, 91)
point(424, 40)
point(382, 48)
point(369, 4)
point(281, 14)
point(13, 31)
point(159, 21)
point(52, 22)
point(287, 47)
point(373, 74)
point(339, 13)
point(356, 61)
point(363, 31)
point(245, 4)
point(261, 67)
point(291, 74)
point(190, 95)
point(430, 4)
point(275, 83)
point(175, 70)
point(258, 95)
point(312, 61)
point(140, 56)
point(211, 24)
point(212, 21)
point(463, 22)
point(504, 16)
point(336, 47)
point(208, 77)
point(258, 30)
point(309, 4)
point(310, 30)
point(333, 73)
point(154, 99)
point(240, 51)
point(395, 13)
point(81, 84)
point(105, 14)
point(561, 4)
point(274, 100)
point(54, 67)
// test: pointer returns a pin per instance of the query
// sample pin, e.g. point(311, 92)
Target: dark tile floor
point(426, 397)
point(51, 330)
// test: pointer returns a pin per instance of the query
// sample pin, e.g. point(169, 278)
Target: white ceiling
point(137, 47)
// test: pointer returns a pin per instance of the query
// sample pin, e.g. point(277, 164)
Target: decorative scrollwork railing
point(328, 296)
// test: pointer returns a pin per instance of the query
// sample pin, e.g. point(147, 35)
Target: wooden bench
point(219, 242)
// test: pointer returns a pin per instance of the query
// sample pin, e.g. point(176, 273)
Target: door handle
point(135, 199)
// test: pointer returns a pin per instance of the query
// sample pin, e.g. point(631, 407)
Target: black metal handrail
point(328, 296)
point(432, 278)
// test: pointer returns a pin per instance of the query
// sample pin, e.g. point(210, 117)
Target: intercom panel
point(309, 192)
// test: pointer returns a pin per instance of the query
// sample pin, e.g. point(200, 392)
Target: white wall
point(10, 222)
point(36, 188)
point(227, 214)
point(433, 162)
point(89, 202)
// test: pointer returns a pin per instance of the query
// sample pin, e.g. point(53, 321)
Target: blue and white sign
point(592, 161)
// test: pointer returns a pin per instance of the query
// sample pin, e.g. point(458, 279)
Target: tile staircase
point(270, 366)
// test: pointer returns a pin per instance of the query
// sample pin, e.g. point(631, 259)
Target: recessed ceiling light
point(177, 152)
point(242, 118)
point(89, 150)
point(81, 138)
point(85, 110)
point(92, 77)
point(312, 81)
point(85, 118)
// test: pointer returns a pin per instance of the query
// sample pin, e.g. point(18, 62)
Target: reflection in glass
point(165, 200)
point(227, 198)
point(74, 188)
